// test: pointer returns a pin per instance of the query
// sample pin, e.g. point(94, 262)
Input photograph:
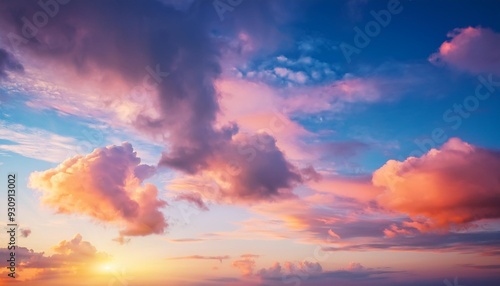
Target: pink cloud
point(106, 185)
point(354, 266)
point(245, 265)
point(25, 232)
point(249, 169)
point(194, 198)
point(453, 186)
point(470, 49)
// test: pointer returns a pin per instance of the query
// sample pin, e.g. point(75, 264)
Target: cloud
point(455, 185)
point(200, 257)
point(25, 232)
point(482, 266)
point(74, 256)
point(245, 265)
point(36, 143)
point(105, 185)
point(354, 266)
point(483, 243)
point(8, 64)
point(249, 255)
point(471, 49)
point(250, 169)
point(185, 240)
point(272, 272)
point(194, 198)
point(312, 273)
point(179, 70)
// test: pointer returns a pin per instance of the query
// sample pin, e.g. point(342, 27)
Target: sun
point(107, 268)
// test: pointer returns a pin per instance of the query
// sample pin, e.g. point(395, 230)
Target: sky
point(251, 142)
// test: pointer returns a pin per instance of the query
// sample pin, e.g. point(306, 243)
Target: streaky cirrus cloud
point(471, 49)
point(107, 186)
point(201, 257)
point(453, 186)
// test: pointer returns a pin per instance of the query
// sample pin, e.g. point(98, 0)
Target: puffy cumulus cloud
point(470, 49)
point(301, 268)
point(290, 270)
point(180, 63)
point(74, 256)
point(271, 272)
point(75, 251)
point(245, 265)
point(250, 168)
point(453, 186)
point(106, 185)
point(355, 266)
point(312, 273)
point(8, 63)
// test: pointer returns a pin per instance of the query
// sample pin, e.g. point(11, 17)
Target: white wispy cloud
point(36, 143)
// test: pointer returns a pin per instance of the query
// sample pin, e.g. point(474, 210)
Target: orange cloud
point(106, 185)
point(453, 186)
point(71, 257)
point(246, 266)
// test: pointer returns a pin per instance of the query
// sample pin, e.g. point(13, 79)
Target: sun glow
point(107, 268)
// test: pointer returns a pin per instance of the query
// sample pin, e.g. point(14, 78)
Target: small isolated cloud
point(470, 49)
point(193, 198)
point(453, 186)
point(354, 266)
point(25, 232)
point(246, 265)
point(107, 186)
